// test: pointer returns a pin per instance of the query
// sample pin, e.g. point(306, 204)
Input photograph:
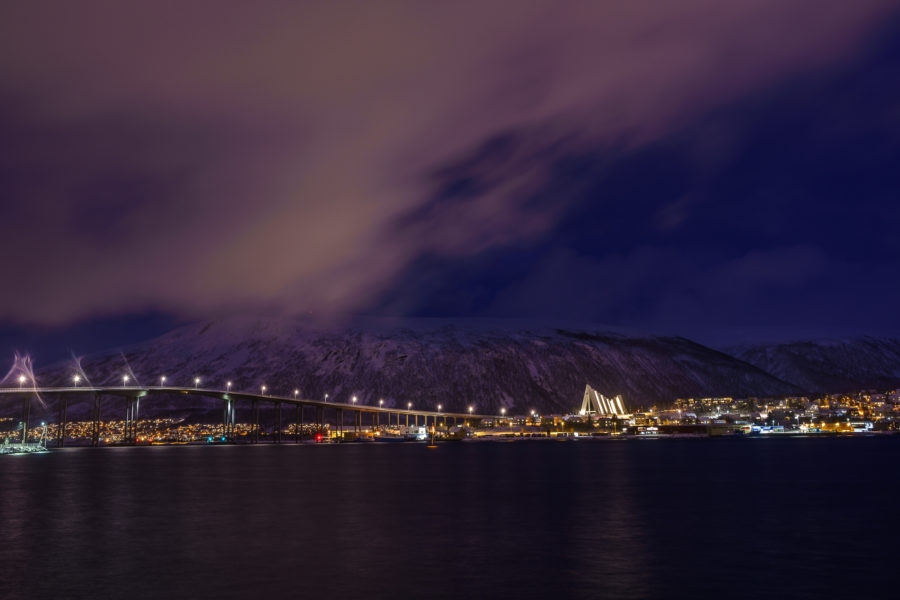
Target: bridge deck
point(141, 391)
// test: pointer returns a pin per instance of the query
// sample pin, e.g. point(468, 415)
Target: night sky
point(721, 170)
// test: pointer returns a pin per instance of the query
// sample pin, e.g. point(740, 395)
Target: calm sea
point(681, 518)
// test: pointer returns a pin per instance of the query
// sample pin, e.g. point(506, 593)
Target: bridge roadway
point(133, 394)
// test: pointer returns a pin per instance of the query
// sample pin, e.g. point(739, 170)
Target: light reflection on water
point(644, 518)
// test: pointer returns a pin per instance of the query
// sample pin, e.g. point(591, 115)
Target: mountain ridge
point(456, 363)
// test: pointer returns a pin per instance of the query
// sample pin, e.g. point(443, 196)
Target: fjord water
point(640, 518)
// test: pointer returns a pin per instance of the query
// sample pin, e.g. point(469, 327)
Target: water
point(632, 519)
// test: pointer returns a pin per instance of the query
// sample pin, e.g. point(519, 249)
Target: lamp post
point(263, 388)
point(380, 403)
point(124, 380)
point(21, 381)
point(162, 381)
point(326, 397)
point(354, 399)
point(227, 386)
point(196, 382)
point(76, 379)
point(296, 393)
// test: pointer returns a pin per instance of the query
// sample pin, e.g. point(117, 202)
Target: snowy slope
point(426, 362)
point(839, 365)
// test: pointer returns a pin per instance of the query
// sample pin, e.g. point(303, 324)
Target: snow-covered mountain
point(430, 361)
point(839, 365)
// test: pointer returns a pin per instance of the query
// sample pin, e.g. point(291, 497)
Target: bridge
point(132, 395)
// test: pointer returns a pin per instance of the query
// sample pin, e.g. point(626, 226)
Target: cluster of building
point(861, 412)
point(148, 431)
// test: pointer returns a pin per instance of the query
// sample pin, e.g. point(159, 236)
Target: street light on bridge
point(296, 393)
point(228, 385)
point(502, 410)
point(326, 397)
point(162, 381)
point(381, 402)
point(471, 408)
point(409, 406)
point(21, 380)
point(196, 382)
point(354, 399)
point(124, 380)
point(439, 408)
point(263, 388)
point(76, 379)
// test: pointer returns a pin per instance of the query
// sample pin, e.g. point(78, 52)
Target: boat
point(23, 447)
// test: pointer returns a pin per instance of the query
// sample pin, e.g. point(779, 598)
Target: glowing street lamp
point(296, 393)
point(124, 380)
point(439, 408)
point(76, 379)
point(502, 410)
point(326, 397)
point(263, 388)
point(21, 380)
point(162, 380)
point(409, 406)
point(196, 382)
point(354, 399)
point(381, 402)
point(471, 408)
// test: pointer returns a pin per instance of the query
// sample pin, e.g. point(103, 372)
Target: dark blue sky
point(775, 215)
point(713, 173)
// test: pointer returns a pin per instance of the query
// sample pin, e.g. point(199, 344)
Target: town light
point(439, 408)
point(502, 410)
point(196, 382)
point(471, 409)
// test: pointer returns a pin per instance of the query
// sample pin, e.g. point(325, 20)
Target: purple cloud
point(199, 157)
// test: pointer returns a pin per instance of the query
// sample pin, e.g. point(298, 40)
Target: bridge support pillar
point(26, 415)
point(228, 424)
point(95, 424)
point(128, 428)
point(61, 421)
point(277, 432)
point(255, 424)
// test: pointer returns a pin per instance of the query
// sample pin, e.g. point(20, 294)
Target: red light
point(319, 438)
